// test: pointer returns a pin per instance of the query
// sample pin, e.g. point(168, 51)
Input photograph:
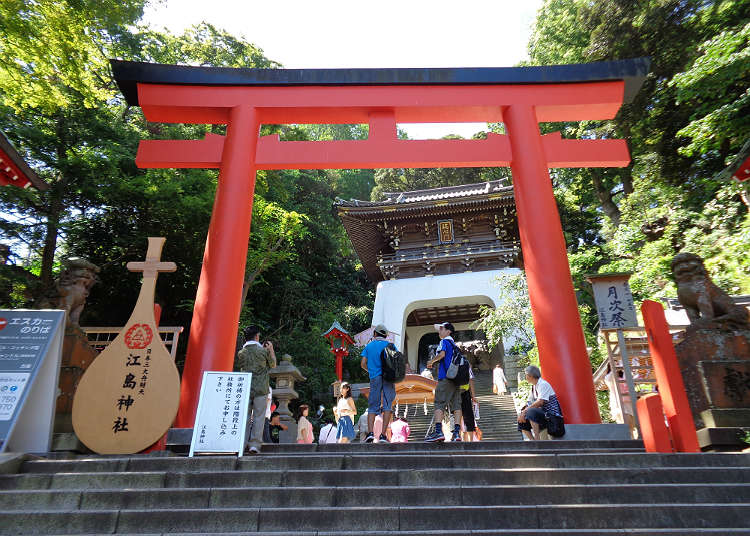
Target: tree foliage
point(69, 121)
point(62, 110)
point(512, 320)
point(686, 123)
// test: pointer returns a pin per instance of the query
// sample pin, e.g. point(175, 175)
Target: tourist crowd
point(453, 392)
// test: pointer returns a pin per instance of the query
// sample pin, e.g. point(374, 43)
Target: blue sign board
point(30, 351)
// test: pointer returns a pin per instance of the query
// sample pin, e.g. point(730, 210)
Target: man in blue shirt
point(446, 392)
point(382, 393)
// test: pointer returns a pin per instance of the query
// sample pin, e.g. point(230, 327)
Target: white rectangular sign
point(222, 413)
point(614, 303)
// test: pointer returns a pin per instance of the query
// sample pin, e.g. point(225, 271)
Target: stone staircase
point(489, 488)
point(497, 414)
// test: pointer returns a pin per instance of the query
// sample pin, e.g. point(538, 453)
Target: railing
point(452, 251)
point(638, 359)
point(100, 337)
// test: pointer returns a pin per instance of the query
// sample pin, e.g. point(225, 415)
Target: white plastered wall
point(395, 299)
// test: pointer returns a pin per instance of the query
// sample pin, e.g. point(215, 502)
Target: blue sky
point(386, 33)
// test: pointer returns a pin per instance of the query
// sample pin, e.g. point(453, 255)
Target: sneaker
point(435, 437)
point(370, 438)
point(254, 450)
point(456, 436)
point(383, 439)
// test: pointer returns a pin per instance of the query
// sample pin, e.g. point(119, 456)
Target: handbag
point(555, 426)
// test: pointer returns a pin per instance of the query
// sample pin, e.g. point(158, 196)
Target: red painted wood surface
point(653, 428)
point(10, 174)
point(213, 331)
point(669, 379)
point(354, 104)
point(559, 336)
point(377, 152)
point(238, 155)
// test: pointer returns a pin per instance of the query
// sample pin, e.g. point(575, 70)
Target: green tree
point(513, 319)
point(54, 55)
point(272, 238)
point(685, 124)
point(54, 85)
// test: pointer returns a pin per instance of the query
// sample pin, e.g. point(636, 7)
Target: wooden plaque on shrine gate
point(128, 397)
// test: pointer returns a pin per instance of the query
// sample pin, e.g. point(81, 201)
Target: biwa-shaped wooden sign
point(128, 397)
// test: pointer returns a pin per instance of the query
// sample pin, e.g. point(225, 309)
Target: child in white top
point(345, 411)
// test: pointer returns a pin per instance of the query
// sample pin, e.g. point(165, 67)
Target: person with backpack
point(448, 391)
point(382, 392)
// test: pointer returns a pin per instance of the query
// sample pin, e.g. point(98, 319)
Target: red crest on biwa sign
point(138, 336)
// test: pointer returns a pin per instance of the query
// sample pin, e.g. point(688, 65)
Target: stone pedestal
point(77, 355)
point(285, 375)
point(715, 366)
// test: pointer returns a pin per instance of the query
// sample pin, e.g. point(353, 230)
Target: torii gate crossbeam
point(521, 98)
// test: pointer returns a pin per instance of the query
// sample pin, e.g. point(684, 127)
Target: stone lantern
point(285, 375)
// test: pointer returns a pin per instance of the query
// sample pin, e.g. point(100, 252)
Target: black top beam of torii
point(129, 73)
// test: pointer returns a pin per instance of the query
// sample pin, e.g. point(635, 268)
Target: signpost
point(222, 414)
point(30, 352)
point(614, 304)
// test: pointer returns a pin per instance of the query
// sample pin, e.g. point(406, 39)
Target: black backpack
point(393, 363)
point(458, 371)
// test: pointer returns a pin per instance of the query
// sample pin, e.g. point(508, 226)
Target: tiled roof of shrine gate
point(363, 220)
point(434, 194)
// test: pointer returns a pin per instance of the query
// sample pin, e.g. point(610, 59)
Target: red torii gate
point(521, 98)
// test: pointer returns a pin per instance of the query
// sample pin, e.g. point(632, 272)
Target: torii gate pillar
point(213, 332)
point(557, 324)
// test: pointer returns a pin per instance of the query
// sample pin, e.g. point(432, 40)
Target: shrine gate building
point(434, 255)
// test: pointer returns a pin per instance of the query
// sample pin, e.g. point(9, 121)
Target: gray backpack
point(458, 371)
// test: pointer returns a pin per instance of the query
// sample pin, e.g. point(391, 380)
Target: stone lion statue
point(71, 288)
point(705, 303)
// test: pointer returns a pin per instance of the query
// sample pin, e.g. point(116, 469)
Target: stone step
point(373, 478)
point(498, 415)
point(509, 532)
point(357, 519)
point(493, 446)
point(383, 497)
point(391, 460)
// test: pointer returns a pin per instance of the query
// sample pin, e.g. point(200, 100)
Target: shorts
point(382, 395)
point(536, 415)
point(345, 428)
point(447, 393)
point(467, 411)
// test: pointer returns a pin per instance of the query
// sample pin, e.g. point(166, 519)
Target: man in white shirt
point(542, 403)
point(327, 433)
